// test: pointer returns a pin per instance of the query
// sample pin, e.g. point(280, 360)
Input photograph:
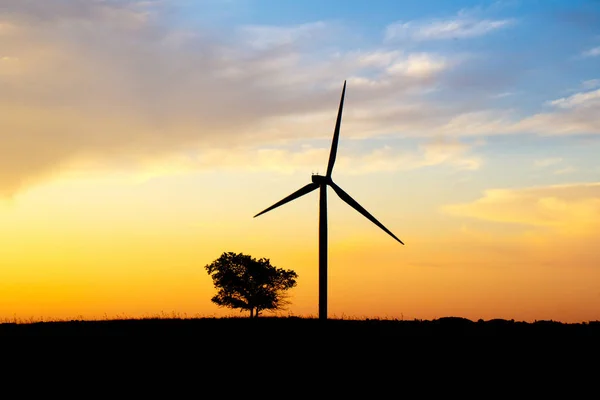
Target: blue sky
point(476, 79)
point(538, 54)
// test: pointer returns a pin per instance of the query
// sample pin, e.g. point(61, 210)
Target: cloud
point(502, 95)
point(262, 37)
point(433, 153)
point(303, 158)
point(583, 99)
point(379, 59)
point(593, 52)
point(575, 114)
point(101, 79)
point(590, 84)
point(569, 209)
point(567, 170)
point(442, 150)
point(546, 162)
point(418, 65)
point(462, 26)
point(107, 80)
point(118, 83)
point(547, 226)
point(572, 115)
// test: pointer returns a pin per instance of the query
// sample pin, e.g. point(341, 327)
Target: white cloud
point(262, 37)
point(593, 52)
point(461, 26)
point(478, 123)
point(379, 59)
point(418, 65)
point(105, 81)
point(578, 99)
point(502, 95)
point(389, 159)
point(575, 114)
point(302, 158)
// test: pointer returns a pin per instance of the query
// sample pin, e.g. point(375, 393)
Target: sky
point(139, 138)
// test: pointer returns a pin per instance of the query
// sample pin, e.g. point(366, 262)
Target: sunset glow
point(139, 138)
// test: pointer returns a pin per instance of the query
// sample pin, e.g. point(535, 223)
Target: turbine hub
point(320, 179)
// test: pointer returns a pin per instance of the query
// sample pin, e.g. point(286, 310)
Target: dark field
point(376, 352)
point(305, 328)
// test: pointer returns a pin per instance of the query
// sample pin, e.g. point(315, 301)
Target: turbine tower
point(321, 182)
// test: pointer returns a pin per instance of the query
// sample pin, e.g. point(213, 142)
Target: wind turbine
point(321, 182)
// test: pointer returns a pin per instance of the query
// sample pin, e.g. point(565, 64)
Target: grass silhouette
point(177, 325)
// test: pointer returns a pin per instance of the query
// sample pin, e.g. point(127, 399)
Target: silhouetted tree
point(249, 284)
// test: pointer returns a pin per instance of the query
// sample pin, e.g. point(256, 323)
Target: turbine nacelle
point(320, 179)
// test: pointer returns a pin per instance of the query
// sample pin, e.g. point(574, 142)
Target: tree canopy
point(250, 284)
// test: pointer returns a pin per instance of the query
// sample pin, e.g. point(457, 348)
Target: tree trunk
point(251, 312)
point(257, 311)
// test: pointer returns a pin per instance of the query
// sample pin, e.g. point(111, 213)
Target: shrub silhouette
point(249, 284)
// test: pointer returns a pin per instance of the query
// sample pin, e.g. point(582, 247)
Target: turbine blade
point(352, 203)
point(300, 192)
point(336, 134)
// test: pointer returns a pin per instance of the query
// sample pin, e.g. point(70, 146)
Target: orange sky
point(69, 250)
point(136, 145)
